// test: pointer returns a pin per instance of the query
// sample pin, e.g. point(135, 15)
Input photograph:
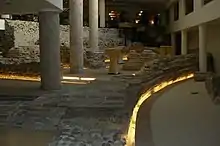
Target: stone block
point(94, 60)
point(200, 77)
point(212, 85)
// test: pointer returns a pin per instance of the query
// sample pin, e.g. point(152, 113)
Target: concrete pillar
point(93, 24)
point(49, 31)
point(173, 43)
point(182, 9)
point(197, 4)
point(76, 36)
point(183, 42)
point(202, 48)
point(102, 12)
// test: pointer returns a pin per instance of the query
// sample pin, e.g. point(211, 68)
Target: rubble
point(136, 59)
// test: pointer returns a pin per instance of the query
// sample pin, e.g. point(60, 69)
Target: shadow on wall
point(6, 39)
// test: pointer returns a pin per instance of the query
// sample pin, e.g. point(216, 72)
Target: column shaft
point(76, 36)
point(102, 12)
point(93, 24)
point(182, 9)
point(202, 48)
point(49, 31)
point(183, 42)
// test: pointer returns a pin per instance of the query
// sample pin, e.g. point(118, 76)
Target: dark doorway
point(178, 43)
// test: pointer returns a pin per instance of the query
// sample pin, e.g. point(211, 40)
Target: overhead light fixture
point(137, 21)
point(152, 22)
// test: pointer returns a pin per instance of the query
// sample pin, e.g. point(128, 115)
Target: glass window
point(189, 6)
point(176, 11)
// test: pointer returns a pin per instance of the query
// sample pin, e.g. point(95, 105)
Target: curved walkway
point(179, 117)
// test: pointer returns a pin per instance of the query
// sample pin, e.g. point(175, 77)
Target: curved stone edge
point(148, 93)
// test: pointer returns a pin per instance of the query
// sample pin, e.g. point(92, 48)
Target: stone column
point(49, 31)
point(183, 42)
point(202, 49)
point(173, 43)
point(76, 36)
point(93, 24)
point(102, 12)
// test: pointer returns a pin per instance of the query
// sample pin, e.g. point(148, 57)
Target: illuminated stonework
point(132, 125)
point(70, 79)
point(19, 77)
point(125, 58)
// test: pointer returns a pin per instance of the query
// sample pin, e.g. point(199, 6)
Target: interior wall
point(201, 14)
point(213, 44)
point(193, 40)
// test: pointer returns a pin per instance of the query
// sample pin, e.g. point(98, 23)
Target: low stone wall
point(26, 60)
point(29, 69)
point(155, 72)
point(137, 59)
point(26, 33)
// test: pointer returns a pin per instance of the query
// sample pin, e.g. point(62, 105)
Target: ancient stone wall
point(6, 39)
point(26, 33)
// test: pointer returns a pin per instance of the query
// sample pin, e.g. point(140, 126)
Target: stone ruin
point(137, 55)
point(19, 46)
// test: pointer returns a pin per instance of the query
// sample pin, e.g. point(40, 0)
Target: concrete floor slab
point(180, 118)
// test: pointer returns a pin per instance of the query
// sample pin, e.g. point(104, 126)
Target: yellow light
point(152, 22)
point(19, 77)
point(78, 78)
point(136, 21)
point(71, 82)
point(66, 66)
point(70, 78)
point(130, 138)
point(124, 59)
point(87, 79)
point(37, 78)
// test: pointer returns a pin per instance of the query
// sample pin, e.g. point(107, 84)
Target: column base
point(51, 88)
point(201, 76)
